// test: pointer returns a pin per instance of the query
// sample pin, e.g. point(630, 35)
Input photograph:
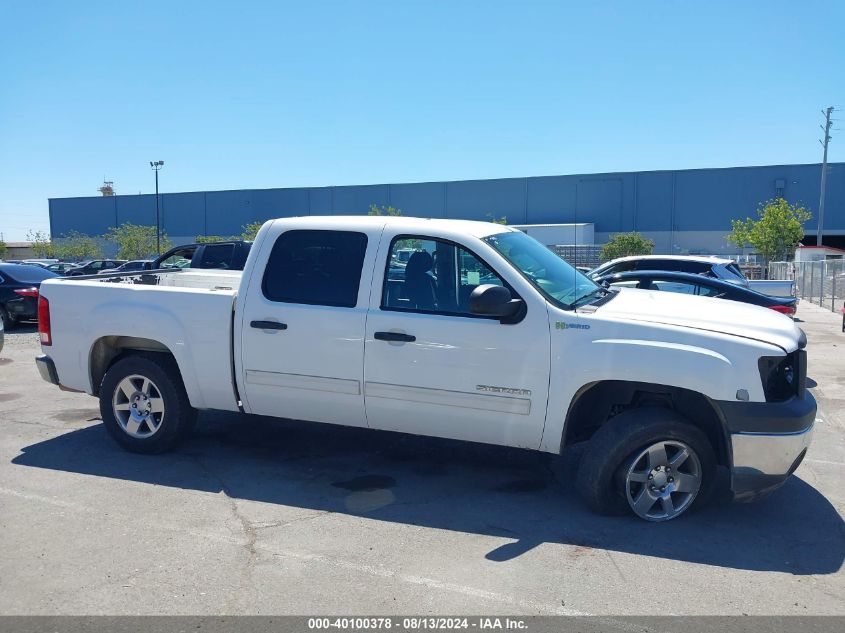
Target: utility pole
point(156, 165)
point(824, 143)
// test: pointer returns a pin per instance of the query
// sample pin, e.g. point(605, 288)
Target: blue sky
point(271, 94)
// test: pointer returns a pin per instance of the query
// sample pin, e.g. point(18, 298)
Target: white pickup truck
point(456, 329)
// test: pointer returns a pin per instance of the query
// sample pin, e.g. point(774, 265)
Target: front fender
point(683, 365)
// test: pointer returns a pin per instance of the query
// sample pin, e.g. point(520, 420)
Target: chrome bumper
point(762, 462)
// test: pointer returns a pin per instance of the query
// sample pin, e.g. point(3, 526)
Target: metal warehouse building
point(683, 211)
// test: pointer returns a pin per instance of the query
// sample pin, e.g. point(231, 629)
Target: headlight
point(783, 376)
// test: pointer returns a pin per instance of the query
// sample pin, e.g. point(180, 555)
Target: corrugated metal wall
point(687, 210)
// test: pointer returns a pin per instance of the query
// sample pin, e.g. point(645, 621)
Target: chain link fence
point(821, 282)
point(582, 255)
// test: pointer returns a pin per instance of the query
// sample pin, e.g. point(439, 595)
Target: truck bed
point(189, 312)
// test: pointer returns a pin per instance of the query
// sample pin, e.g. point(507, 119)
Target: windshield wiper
point(580, 300)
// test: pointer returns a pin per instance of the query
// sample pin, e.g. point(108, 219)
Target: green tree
point(135, 241)
point(3, 249)
point(624, 244)
point(210, 239)
point(497, 220)
point(75, 246)
point(251, 230)
point(41, 244)
point(384, 210)
point(777, 232)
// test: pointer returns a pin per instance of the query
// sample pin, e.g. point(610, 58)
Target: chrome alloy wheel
point(663, 480)
point(138, 406)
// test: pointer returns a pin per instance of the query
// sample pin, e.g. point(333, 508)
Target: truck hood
point(705, 313)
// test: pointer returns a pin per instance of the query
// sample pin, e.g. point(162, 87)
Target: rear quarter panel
point(193, 323)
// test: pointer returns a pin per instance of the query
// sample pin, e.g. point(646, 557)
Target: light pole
point(156, 165)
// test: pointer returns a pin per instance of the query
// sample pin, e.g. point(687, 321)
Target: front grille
point(784, 376)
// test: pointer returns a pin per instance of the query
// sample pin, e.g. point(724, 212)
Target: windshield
point(557, 280)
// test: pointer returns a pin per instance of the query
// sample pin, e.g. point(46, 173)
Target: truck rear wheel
point(144, 405)
point(649, 461)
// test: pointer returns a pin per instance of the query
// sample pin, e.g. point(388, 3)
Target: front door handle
point(268, 325)
point(394, 336)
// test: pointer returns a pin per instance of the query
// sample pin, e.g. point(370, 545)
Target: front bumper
point(47, 369)
point(768, 442)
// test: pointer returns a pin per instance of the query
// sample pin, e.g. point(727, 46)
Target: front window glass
point(179, 259)
point(557, 280)
point(429, 275)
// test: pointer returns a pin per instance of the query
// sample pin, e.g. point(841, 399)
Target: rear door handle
point(394, 336)
point(268, 325)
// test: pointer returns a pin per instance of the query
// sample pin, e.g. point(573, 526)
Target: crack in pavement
point(247, 529)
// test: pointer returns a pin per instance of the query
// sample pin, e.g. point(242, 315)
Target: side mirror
point(494, 301)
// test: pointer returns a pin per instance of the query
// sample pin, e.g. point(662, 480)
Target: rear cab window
point(315, 267)
point(216, 256)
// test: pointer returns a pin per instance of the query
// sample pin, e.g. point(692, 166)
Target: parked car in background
point(19, 285)
point(717, 267)
point(710, 266)
point(94, 266)
point(131, 265)
point(228, 255)
point(689, 284)
point(773, 287)
point(44, 263)
point(61, 268)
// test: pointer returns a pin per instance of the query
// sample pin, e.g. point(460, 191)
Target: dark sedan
point(94, 266)
point(19, 285)
point(688, 283)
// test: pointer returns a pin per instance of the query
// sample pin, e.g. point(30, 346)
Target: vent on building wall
point(780, 185)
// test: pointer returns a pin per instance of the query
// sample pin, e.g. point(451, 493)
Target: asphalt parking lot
point(263, 516)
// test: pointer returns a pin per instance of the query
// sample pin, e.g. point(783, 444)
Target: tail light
point(790, 310)
point(44, 321)
point(27, 292)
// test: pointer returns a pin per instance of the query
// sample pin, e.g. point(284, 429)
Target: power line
point(827, 137)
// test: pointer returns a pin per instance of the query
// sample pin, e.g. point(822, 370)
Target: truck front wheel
point(144, 405)
point(650, 461)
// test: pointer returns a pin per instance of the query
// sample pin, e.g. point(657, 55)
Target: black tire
point(178, 416)
point(601, 473)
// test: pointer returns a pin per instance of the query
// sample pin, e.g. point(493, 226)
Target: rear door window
point(681, 287)
point(316, 268)
point(618, 267)
point(706, 291)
